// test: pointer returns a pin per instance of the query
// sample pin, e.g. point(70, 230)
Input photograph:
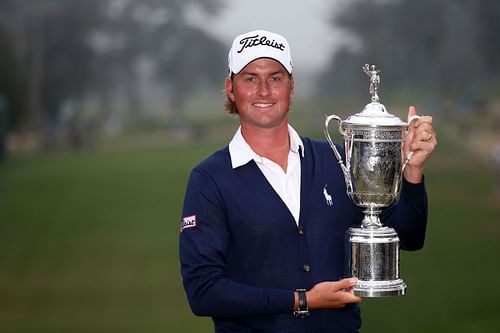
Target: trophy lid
point(375, 113)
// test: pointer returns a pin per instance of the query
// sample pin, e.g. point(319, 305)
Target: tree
point(12, 85)
point(51, 53)
point(437, 46)
point(184, 57)
point(63, 51)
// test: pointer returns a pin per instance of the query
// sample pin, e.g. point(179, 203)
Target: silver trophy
point(373, 171)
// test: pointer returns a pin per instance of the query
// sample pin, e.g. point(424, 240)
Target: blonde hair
point(230, 106)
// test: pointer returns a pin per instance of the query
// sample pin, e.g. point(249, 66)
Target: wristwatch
point(303, 310)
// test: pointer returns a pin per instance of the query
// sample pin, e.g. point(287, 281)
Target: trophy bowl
point(373, 168)
point(374, 156)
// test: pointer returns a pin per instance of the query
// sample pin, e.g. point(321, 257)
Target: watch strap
point(302, 310)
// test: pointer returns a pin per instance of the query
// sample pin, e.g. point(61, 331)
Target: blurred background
point(106, 106)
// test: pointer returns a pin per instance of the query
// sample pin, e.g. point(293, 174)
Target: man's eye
point(275, 78)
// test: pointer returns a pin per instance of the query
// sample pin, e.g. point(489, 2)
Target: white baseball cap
point(259, 44)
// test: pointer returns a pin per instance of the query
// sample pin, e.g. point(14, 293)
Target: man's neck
point(271, 143)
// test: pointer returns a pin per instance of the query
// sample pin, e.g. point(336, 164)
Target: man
point(257, 227)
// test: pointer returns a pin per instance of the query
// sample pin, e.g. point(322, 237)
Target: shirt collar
point(241, 153)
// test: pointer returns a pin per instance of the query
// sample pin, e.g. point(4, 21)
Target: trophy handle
point(345, 170)
point(407, 130)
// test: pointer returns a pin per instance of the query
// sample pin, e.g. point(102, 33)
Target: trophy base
point(374, 260)
point(380, 288)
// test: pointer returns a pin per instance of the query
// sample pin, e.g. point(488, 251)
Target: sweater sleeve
point(409, 216)
point(203, 247)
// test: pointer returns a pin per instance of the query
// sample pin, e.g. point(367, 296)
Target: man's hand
point(332, 294)
point(421, 141)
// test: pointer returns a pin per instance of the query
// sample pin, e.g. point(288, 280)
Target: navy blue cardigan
point(242, 254)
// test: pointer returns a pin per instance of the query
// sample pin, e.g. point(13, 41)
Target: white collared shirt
point(286, 184)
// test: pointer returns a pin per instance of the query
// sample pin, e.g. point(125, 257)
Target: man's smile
point(263, 105)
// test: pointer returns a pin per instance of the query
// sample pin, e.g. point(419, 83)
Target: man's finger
point(411, 111)
point(345, 283)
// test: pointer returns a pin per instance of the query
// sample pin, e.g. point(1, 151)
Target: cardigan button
point(301, 230)
point(306, 268)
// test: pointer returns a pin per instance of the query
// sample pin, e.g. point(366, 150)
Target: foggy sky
point(304, 23)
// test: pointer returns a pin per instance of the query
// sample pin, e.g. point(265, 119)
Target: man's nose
point(264, 88)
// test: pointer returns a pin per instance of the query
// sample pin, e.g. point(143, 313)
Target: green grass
point(88, 243)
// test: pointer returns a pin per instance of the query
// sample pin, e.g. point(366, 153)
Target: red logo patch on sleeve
point(188, 222)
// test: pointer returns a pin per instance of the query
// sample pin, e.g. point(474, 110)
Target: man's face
point(262, 93)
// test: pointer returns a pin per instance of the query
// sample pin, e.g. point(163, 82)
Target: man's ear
point(229, 89)
point(292, 86)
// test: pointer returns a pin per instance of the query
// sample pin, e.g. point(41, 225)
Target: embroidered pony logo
point(328, 197)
